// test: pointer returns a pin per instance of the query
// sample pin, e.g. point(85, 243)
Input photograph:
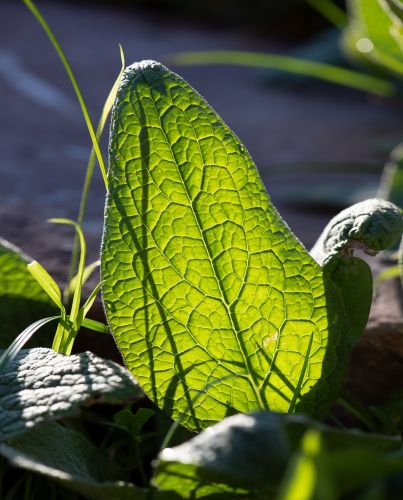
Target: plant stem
point(89, 174)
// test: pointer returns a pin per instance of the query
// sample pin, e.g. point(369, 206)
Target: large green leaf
point(205, 287)
point(40, 385)
point(22, 300)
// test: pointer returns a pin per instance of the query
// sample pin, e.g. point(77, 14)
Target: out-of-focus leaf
point(242, 451)
point(375, 33)
point(251, 452)
point(22, 300)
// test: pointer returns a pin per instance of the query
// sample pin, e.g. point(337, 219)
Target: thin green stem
point(90, 171)
point(326, 72)
point(74, 83)
point(330, 11)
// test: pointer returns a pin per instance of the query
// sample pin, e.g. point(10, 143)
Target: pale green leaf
point(203, 280)
point(40, 385)
point(46, 281)
point(22, 299)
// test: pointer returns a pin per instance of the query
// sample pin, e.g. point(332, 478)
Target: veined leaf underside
point(203, 279)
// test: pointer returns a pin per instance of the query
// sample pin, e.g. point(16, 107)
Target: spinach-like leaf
point(204, 284)
point(72, 460)
point(22, 300)
point(40, 385)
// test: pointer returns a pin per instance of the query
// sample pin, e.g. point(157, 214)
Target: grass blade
point(330, 11)
point(75, 306)
point(326, 72)
point(97, 326)
point(31, 6)
point(90, 170)
point(15, 347)
point(88, 304)
point(86, 275)
point(46, 281)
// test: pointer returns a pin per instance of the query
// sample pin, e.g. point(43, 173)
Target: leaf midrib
point(194, 212)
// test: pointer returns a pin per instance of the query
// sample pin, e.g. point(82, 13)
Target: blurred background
point(318, 146)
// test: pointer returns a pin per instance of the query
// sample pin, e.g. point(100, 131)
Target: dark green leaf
point(22, 300)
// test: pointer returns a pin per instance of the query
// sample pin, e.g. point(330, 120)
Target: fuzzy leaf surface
point(203, 280)
point(72, 460)
point(40, 385)
point(22, 300)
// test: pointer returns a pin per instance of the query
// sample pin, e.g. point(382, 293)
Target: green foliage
point(22, 300)
point(216, 307)
point(201, 275)
point(375, 33)
point(61, 384)
point(268, 455)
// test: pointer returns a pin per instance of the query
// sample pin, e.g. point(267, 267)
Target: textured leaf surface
point(41, 385)
point(203, 281)
point(22, 300)
point(371, 225)
point(71, 459)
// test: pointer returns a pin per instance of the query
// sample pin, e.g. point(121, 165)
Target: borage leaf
point(40, 385)
point(203, 280)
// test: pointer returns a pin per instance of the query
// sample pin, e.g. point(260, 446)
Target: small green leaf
point(62, 384)
point(46, 281)
point(371, 225)
point(22, 299)
point(97, 326)
point(133, 423)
